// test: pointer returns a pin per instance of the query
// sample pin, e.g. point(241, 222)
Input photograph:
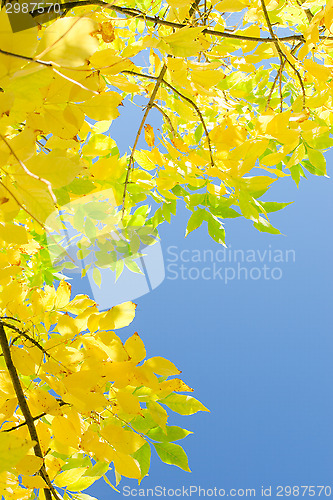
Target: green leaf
point(172, 454)
point(296, 172)
point(119, 268)
point(173, 433)
point(195, 220)
point(215, 229)
point(265, 226)
point(184, 405)
point(317, 159)
point(142, 455)
point(143, 423)
point(132, 266)
point(272, 206)
point(81, 186)
point(97, 277)
point(225, 212)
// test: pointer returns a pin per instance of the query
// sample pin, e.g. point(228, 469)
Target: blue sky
point(258, 352)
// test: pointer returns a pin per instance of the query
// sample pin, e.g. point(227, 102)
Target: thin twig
point(192, 103)
point(26, 58)
point(281, 54)
point(26, 336)
point(157, 20)
point(28, 172)
point(166, 117)
point(159, 80)
point(26, 412)
point(37, 417)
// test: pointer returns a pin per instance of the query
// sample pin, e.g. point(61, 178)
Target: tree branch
point(282, 55)
point(157, 20)
point(26, 412)
point(159, 80)
point(166, 117)
point(192, 103)
point(61, 403)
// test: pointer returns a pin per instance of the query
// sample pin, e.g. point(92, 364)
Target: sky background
point(257, 352)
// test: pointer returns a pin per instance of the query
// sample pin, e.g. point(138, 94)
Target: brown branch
point(192, 103)
point(41, 415)
point(26, 336)
point(272, 89)
point(166, 117)
point(26, 58)
point(26, 412)
point(194, 7)
point(157, 20)
point(28, 172)
point(159, 80)
point(34, 218)
point(281, 54)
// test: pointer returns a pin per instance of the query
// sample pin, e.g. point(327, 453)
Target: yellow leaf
point(68, 477)
point(64, 431)
point(158, 414)
point(118, 317)
point(12, 450)
point(183, 42)
point(318, 71)
point(108, 168)
point(102, 107)
point(178, 3)
point(162, 366)
point(231, 5)
point(129, 403)
point(33, 482)
point(68, 41)
point(23, 361)
point(29, 465)
point(135, 348)
point(47, 167)
point(149, 135)
point(21, 42)
point(127, 466)
point(207, 78)
point(122, 441)
point(63, 295)
point(13, 233)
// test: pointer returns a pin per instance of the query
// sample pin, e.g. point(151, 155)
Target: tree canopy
point(244, 92)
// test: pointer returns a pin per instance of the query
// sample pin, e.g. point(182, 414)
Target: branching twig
point(41, 415)
point(282, 55)
point(28, 172)
point(157, 20)
point(26, 336)
point(159, 80)
point(166, 117)
point(26, 412)
point(192, 103)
